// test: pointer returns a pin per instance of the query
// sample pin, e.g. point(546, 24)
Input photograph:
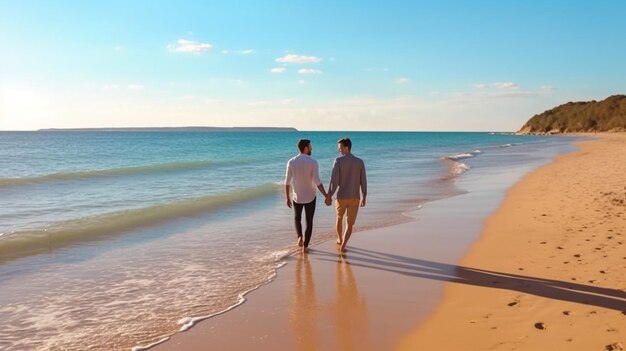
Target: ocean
point(116, 240)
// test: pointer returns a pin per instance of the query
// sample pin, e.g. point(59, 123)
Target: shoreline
point(206, 262)
point(300, 309)
point(556, 244)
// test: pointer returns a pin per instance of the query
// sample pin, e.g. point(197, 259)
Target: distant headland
point(173, 129)
point(608, 115)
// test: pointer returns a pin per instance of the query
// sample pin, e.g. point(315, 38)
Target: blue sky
point(323, 65)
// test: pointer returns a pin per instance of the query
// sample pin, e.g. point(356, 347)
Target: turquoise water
point(116, 239)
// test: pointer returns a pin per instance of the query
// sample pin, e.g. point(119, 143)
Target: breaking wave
point(23, 243)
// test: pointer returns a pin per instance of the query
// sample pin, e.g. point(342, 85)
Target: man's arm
point(322, 190)
point(334, 180)
point(332, 185)
point(287, 195)
point(318, 181)
point(288, 178)
point(363, 180)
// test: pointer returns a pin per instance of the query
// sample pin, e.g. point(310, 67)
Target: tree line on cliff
point(608, 115)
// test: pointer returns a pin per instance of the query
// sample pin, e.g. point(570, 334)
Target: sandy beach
point(556, 245)
point(545, 272)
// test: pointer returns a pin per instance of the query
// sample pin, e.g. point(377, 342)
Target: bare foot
point(343, 249)
point(338, 242)
point(305, 250)
point(300, 241)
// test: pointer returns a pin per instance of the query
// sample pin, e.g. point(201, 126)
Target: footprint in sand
point(540, 326)
point(617, 346)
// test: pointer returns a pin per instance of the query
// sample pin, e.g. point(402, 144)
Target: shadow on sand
point(553, 289)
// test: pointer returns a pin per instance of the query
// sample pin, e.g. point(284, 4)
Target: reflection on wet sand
point(344, 314)
point(349, 311)
point(304, 311)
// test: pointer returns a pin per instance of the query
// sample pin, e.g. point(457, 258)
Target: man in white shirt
point(302, 176)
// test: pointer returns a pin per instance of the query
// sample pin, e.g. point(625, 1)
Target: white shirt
point(304, 177)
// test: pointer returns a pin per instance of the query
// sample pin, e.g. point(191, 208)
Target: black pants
point(309, 211)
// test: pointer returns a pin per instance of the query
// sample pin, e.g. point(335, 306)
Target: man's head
point(344, 146)
point(305, 147)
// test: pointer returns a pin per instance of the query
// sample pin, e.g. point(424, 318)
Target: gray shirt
point(347, 177)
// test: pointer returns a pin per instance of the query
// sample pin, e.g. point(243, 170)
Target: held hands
point(363, 202)
point(328, 201)
point(289, 202)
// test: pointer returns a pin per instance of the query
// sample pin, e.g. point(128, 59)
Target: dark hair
point(302, 143)
point(346, 142)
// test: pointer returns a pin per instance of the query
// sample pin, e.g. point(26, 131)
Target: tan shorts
point(347, 205)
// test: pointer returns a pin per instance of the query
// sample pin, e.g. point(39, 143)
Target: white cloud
point(460, 98)
point(497, 85)
point(119, 48)
point(278, 70)
point(239, 52)
point(111, 86)
point(135, 87)
point(189, 46)
point(309, 71)
point(549, 88)
point(301, 81)
point(506, 85)
point(291, 58)
point(402, 80)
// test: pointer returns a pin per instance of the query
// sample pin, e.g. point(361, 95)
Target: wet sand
point(549, 271)
point(391, 279)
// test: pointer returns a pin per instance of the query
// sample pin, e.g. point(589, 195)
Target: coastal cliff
point(608, 115)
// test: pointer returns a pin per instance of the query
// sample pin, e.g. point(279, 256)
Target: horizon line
point(235, 129)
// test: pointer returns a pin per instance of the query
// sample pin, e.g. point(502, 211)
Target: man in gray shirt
point(347, 179)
